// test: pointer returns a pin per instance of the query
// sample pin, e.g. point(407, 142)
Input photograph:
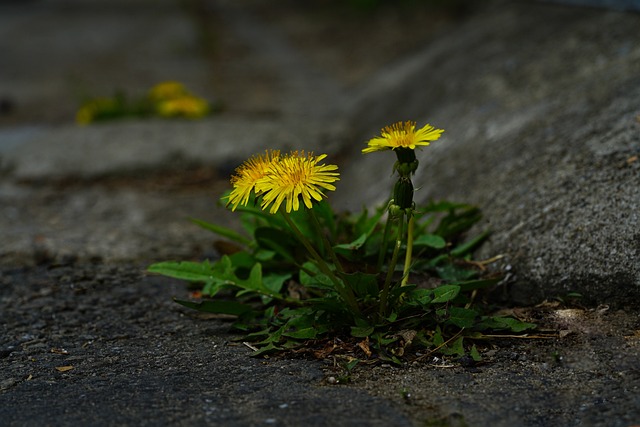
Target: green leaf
point(363, 228)
point(242, 259)
point(397, 292)
point(475, 355)
point(254, 283)
point(462, 317)
point(504, 323)
point(445, 293)
point(438, 339)
point(353, 246)
point(315, 280)
point(252, 211)
point(185, 270)
point(362, 284)
point(326, 216)
point(456, 347)
point(365, 224)
point(458, 220)
point(430, 240)
point(451, 272)
point(222, 231)
point(471, 285)
point(421, 296)
point(302, 334)
point(352, 364)
point(274, 282)
point(216, 306)
point(444, 206)
point(361, 331)
point(470, 246)
point(269, 348)
point(277, 240)
point(304, 223)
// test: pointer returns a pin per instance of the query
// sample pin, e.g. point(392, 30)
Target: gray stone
point(542, 132)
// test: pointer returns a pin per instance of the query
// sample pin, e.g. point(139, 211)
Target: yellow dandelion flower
point(167, 90)
point(246, 176)
point(293, 176)
point(85, 115)
point(185, 106)
point(403, 135)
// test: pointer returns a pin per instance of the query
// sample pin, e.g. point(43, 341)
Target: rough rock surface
point(543, 132)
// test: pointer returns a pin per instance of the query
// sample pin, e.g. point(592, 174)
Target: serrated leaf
point(184, 270)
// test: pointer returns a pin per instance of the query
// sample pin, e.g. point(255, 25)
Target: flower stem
point(385, 243)
point(342, 290)
point(407, 258)
point(384, 296)
point(327, 245)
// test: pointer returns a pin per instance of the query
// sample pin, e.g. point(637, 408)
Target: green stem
point(385, 243)
point(407, 258)
point(340, 287)
point(327, 245)
point(384, 296)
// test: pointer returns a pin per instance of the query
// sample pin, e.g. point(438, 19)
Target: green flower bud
point(403, 193)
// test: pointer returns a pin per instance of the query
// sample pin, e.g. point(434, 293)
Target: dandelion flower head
point(294, 176)
point(247, 175)
point(403, 135)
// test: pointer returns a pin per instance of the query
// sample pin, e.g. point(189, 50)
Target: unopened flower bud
point(403, 193)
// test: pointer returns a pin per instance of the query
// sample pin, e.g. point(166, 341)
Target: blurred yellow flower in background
point(187, 106)
point(167, 90)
